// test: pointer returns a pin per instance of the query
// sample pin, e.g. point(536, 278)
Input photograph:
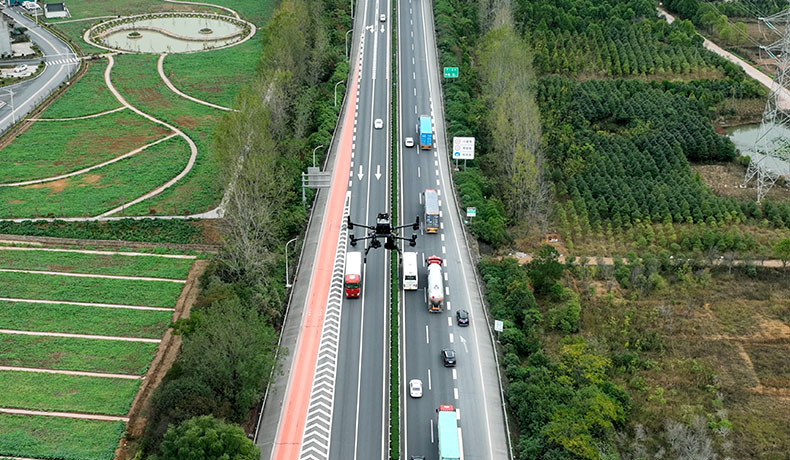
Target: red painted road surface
point(289, 436)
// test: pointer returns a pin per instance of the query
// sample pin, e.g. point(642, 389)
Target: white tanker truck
point(435, 284)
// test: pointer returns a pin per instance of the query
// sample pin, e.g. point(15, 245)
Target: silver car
point(415, 388)
point(409, 142)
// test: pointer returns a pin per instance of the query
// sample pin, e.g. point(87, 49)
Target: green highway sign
point(451, 72)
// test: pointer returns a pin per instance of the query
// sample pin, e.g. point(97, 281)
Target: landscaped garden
point(78, 344)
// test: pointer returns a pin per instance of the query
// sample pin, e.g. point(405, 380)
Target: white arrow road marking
point(378, 172)
point(360, 175)
point(463, 341)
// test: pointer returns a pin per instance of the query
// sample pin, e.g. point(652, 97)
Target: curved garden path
point(106, 112)
point(39, 370)
point(234, 13)
point(192, 147)
point(89, 168)
point(161, 70)
point(103, 418)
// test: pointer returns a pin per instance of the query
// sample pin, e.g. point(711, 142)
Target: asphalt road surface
point(60, 61)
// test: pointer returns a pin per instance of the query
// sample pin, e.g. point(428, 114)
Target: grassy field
point(74, 319)
point(89, 95)
point(709, 345)
point(67, 393)
point(58, 438)
point(102, 290)
point(111, 264)
point(76, 354)
point(215, 76)
point(81, 9)
point(136, 78)
point(50, 148)
point(99, 190)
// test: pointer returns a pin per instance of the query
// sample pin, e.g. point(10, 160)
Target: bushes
point(206, 438)
point(153, 230)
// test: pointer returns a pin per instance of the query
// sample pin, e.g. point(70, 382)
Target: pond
point(172, 35)
point(744, 137)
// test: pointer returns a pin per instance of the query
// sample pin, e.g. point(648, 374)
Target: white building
point(55, 10)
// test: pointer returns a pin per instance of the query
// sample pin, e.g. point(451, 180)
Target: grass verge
point(67, 393)
point(51, 148)
point(76, 354)
point(112, 264)
point(158, 231)
point(58, 438)
point(89, 95)
point(75, 319)
point(102, 290)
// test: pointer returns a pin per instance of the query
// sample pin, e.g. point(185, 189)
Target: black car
point(448, 357)
point(462, 317)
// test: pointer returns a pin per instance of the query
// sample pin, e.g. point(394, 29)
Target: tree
point(545, 270)
point(782, 251)
point(232, 353)
point(207, 438)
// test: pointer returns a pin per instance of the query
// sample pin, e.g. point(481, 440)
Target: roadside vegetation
point(229, 341)
point(661, 354)
point(183, 231)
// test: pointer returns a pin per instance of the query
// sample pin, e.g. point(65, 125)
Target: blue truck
point(426, 133)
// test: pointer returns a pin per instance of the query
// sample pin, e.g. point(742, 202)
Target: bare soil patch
point(726, 180)
point(55, 186)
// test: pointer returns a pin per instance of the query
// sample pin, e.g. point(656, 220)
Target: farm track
point(98, 253)
point(95, 115)
point(65, 372)
point(171, 86)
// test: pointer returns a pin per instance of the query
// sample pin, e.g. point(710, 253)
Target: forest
point(627, 358)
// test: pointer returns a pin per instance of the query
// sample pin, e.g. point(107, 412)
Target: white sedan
point(378, 124)
point(415, 388)
point(383, 18)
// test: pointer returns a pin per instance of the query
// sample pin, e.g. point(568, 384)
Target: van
point(410, 271)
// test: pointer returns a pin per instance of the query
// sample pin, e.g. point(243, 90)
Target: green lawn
point(51, 148)
point(75, 319)
point(255, 11)
point(74, 31)
point(58, 438)
point(89, 95)
point(76, 354)
point(99, 190)
point(102, 290)
point(136, 78)
point(67, 393)
point(215, 76)
point(110, 264)
point(80, 9)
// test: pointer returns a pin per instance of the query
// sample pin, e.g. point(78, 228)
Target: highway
point(361, 402)
point(472, 386)
point(60, 61)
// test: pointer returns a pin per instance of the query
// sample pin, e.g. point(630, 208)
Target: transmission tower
point(772, 159)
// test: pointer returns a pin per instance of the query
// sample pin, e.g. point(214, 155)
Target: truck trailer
point(435, 284)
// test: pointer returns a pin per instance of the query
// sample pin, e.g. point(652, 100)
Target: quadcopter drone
point(383, 229)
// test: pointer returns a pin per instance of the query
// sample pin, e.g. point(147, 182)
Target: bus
point(447, 424)
point(431, 211)
point(410, 271)
point(426, 133)
point(352, 280)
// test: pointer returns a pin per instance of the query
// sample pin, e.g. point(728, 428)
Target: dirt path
point(99, 253)
point(765, 80)
point(166, 355)
point(103, 418)
point(597, 260)
point(106, 112)
point(62, 372)
point(86, 304)
point(78, 336)
point(90, 275)
point(161, 70)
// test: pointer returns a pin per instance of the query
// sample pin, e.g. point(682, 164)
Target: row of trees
point(229, 342)
point(648, 48)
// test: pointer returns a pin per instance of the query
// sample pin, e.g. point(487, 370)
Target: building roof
point(55, 6)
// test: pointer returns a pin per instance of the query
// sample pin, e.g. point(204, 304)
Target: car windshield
point(450, 353)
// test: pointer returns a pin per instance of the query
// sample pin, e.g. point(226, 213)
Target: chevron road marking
point(318, 423)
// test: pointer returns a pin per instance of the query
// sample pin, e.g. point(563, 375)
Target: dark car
point(462, 317)
point(417, 457)
point(448, 357)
